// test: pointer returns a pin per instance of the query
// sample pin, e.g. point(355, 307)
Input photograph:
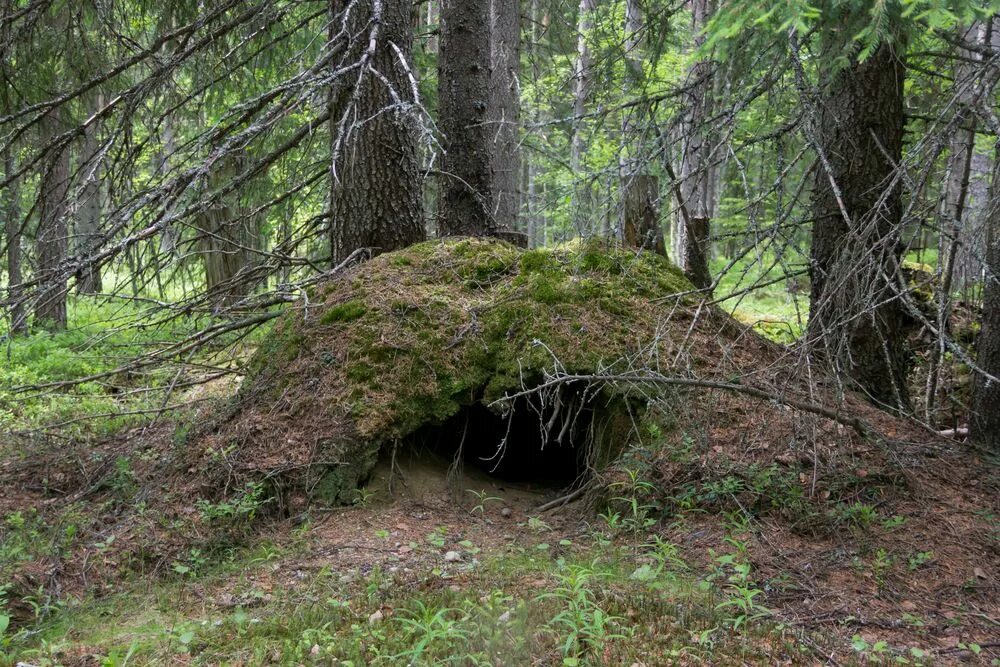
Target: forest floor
point(735, 530)
point(466, 570)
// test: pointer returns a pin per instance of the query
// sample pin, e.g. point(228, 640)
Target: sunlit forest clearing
point(506, 332)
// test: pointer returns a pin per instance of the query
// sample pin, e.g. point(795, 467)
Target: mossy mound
point(412, 337)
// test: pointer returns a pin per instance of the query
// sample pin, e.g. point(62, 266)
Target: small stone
point(376, 617)
point(506, 512)
point(455, 588)
point(314, 650)
point(346, 578)
point(908, 605)
point(452, 557)
point(504, 617)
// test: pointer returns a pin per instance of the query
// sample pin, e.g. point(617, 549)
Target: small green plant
point(635, 494)
point(919, 559)
point(363, 497)
point(881, 565)
point(740, 591)
point(857, 515)
point(482, 499)
point(426, 627)
point(239, 510)
point(581, 620)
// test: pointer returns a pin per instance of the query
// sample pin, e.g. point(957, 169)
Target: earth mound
point(454, 344)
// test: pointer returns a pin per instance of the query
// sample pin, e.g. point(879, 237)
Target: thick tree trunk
point(12, 216)
point(51, 241)
point(856, 225)
point(692, 233)
point(582, 85)
point(375, 196)
point(984, 425)
point(88, 226)
point(464, 102)
point(506, 103)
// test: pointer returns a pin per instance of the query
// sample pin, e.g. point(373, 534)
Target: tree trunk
point(856, 227)
point(640, 223)
point(582, 84)
point(88, 226)
point(229, 236)
point(954, 213)
point(375, 196)
point(12, 214)
point(693, 230)
point(506, 106)
point(984, 425)
point(641, 219)
point(51, 241)
point(464, 102)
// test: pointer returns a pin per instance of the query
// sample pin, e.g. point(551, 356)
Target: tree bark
point(856, 225)
point(582, 84)
point(12, 213)
point(641, 219)
point(695, 210)
point(954, 213)
point(88, 226)
point(464, 101)
point(51, 241)
point(229, 235)
point(506, 103)
point(375, 185)
point(984, 424)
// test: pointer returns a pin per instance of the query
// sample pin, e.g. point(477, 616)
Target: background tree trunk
point(641, 219)
point(12, 215)
point(693, 231)
point(582, 85)
point(954, 214)
point(860, 131)
point(506, 89)
point(464, 101)
point(88, 229)
point(375, 195)
point(51, 241)
point(984, 425)
point(229, 235)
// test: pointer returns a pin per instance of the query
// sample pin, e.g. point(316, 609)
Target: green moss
point(344, 312)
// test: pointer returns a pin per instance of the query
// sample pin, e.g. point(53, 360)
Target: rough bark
point(88, 220)
point(641, 220)
point(464, 101)
point(375, 196)
point(856, 225)
point(505, 39)
point(51, 241)
point(954, 211)
point(228, 237)
point(692, 233)
point(582, 85)
point(12, 216)
point(984, 425)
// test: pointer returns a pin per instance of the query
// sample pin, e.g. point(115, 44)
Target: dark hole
point(512, 447)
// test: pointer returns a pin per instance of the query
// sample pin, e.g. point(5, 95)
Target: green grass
point(773, 310)
point(103, 336)
point(571, 604)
